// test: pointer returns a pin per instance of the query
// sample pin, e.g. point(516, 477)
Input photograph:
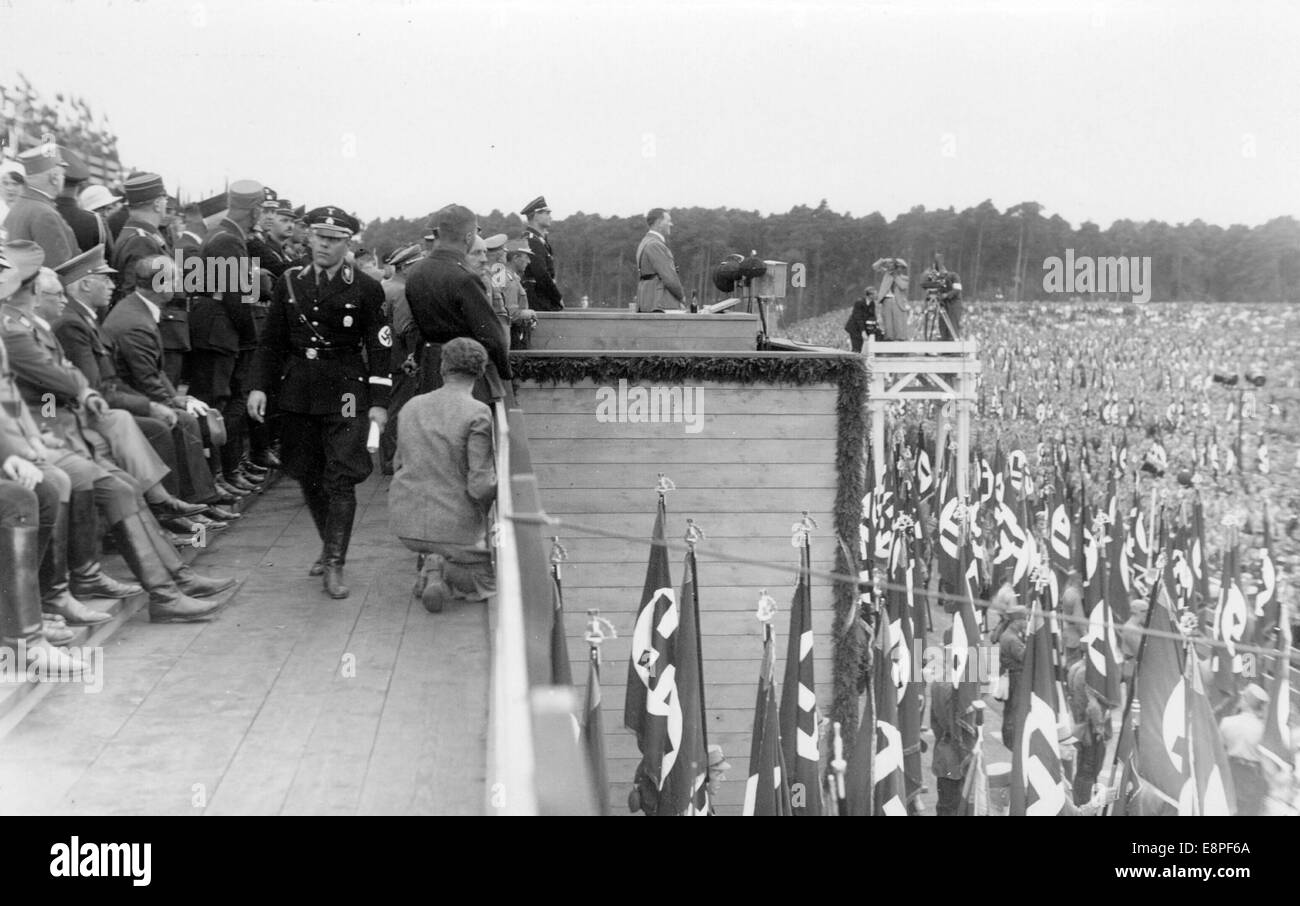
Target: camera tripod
point(934, 320)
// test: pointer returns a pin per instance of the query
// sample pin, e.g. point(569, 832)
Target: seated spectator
point(445, 480)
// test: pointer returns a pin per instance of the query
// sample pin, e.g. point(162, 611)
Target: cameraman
point(862, 320)
point(944, 286)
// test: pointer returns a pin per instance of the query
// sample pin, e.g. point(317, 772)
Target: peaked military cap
point(88, 262)
point(41, 158)
point(333, 221)
point(537, 204)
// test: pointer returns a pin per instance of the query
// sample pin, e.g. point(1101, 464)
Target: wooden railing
point(536, 765)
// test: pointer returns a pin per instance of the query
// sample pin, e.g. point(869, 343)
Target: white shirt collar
point(660, 235)
point(86, 308)
point(153, 308)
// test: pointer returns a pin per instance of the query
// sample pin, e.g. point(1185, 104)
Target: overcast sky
point(1167, 110)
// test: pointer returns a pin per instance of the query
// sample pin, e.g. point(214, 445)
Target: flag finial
point(694, 534)
point(558, 553)
point(598, 629)
point(766, 606)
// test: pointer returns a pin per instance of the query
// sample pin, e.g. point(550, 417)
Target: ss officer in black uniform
point(223, 332)
point(448, 300)
point(266, 245)
point(539, 279)
point(324, 356)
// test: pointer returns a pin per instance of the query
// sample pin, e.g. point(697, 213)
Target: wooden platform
point(763, 454)
point(587, 329)
point(286, 703)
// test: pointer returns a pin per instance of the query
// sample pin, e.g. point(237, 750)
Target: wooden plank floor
point(286, 703)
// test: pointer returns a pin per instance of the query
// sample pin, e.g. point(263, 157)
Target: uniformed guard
point(324, 359)
point(543, 294)
point(223, 330)
point(448, 300)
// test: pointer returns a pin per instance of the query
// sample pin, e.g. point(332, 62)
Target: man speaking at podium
point(660, 288)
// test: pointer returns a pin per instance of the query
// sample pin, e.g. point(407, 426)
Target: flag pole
point(695, 534)
point(1132, 686)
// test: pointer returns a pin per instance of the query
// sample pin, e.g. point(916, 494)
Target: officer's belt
point(326, 352)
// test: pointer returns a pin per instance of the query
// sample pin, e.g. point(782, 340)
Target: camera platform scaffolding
point(918, 371)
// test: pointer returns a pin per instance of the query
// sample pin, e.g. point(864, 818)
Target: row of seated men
point(95, 439)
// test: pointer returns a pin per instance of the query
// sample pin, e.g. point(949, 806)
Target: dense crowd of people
point(1180, 420)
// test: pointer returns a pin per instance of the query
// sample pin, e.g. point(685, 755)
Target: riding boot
point(20, 604)
point(338, 532)
point(20, 591)
point(318, 504)
point(56, 595)
point(187, 580)
point(167, 603)
point(86, 576)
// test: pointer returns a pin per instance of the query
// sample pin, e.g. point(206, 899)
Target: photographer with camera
point(862, 320)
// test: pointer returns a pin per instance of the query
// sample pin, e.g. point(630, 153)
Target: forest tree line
point(996, 253)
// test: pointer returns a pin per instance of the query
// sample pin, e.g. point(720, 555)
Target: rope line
point(542, 519)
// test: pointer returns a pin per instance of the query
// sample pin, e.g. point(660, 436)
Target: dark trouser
point(49, 496)
point(949, 804)
point(1250, 784)
point(327, 456)
point(193, 472)
point(211, 373)
point(174, 365)
point(235, 412)
point(1009, 710)
point(954, 311)
point(1088, 759)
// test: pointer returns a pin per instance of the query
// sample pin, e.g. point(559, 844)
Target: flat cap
point(42, 158)
point(495, 241)
point(332, 221)
point(537, 204)
point(93, 198)
point(88, 262)
point(518, 247)
point(246, 194)
point(143, 187)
